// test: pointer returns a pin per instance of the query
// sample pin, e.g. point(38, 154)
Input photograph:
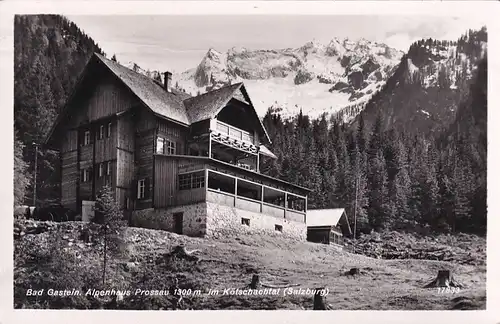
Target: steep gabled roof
point(152, 94)
point(174, 105)
point(209, 104)
point(324, 217)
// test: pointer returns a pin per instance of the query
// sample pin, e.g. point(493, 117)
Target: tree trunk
point(319, 303)
point(444, 279)
point(254, 284)
point(105, 259)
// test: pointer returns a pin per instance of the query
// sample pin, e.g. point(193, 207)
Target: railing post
point(210, 145)
point(261, 198)
point(206, 183)
point(286, 203)
point(235, 190)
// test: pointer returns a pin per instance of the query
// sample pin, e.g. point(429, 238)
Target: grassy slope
point(229, 262)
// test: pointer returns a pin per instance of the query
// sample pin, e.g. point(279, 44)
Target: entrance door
point(178, 218)
point(88, 210)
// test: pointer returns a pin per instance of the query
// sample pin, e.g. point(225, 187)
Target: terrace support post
point(210, 144)
point(206, 183)
point(235, 190)
point(258, 162)
point(305, 210)
point(261, 198)
point(286, 204)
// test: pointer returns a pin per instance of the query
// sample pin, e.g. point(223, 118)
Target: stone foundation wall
point(194, 218)
point(213, 220)
point(223, 220)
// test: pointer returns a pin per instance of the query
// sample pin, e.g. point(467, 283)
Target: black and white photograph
point(250, 162)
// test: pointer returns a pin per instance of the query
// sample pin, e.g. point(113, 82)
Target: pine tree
point(22, 178)
point(110, 216)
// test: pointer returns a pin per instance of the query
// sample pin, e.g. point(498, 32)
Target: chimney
point(167, 81)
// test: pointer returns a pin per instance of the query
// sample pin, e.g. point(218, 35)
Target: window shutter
point(134, 189)
point(146, 188)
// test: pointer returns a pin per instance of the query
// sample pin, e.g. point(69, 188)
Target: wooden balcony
point(244, 194)
point(234, 132)
point(183, 179)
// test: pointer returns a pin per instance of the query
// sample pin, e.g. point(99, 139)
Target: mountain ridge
point(427, 87)
point(314, 77)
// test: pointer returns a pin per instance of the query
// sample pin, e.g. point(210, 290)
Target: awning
point(265, 151)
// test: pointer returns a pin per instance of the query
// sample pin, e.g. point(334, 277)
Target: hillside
point(50, 52)
point(429, 84)
point(65, 256)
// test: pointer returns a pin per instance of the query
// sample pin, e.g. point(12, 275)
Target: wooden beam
point(286, 204)
point(258, 163)
point(261, 197)
point(210, 146)
point(235, 190)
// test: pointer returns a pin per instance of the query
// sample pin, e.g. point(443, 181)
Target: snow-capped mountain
point(427, 87)
point(315, 77)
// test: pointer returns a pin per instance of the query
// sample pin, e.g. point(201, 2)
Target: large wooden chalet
point(182, 163)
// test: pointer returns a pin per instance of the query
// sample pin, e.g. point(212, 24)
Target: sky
point(177, 43)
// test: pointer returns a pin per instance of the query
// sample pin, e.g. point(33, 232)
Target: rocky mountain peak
point(314, 77)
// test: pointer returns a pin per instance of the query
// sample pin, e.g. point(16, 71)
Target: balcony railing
point(234, 132)
point(244, 194)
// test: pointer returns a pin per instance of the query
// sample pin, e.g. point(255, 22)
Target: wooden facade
point(325, 235)
point(109, 135)
point(89, 139)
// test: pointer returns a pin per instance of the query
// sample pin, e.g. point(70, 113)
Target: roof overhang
point(64, 109)
point(241, 87)
point(265, 151)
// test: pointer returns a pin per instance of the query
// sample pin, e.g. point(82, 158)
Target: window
point(278, 228)
point(85, 175)
point(86, 138)
point(184, 181)
point(191, 180)
point(108, 168)
point(198, 180)
point(101, 132)
point(141, 188)
point(160, 145)
point(165, 146)
point(101, 169)
point(245, 221)
point(127, 203)
point(108, 131)
point(169, 147)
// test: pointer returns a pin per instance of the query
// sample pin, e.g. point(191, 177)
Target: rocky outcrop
point(326, 78)
point(369, 66)
point(340, 86)
point(303, 76)
point(356, 79)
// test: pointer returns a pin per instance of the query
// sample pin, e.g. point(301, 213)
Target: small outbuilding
point(327, 225)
